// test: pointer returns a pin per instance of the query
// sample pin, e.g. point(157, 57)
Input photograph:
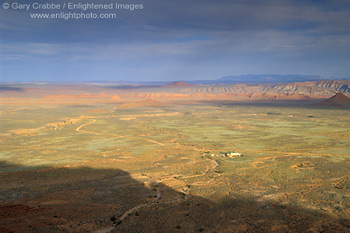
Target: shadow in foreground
point(51, 199)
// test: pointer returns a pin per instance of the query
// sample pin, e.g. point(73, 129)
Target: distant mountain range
point(250, 79)
point(262, 79)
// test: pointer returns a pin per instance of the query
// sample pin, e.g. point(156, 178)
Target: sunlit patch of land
point(120, 166)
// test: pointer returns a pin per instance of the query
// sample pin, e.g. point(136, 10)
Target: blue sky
point(179, 40)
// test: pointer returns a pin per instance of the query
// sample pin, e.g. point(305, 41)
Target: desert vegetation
point(195, 166)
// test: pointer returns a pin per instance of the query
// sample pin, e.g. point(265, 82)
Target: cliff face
point(342, 86)
point(318, 89)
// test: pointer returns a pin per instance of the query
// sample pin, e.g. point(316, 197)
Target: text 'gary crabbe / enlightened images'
point(70, 10)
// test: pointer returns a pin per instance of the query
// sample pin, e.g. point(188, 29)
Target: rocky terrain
point(311, 89)
point(338, 100)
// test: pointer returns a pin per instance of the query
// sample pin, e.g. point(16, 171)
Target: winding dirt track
point(134, 209)
point(83, 131)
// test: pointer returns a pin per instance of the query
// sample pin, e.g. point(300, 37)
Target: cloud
point(30, 50)
point(200, 38)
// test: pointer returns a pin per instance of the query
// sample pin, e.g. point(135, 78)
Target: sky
point(176, 40)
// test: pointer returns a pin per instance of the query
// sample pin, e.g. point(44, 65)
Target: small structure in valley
point(234, 154)
point(229, 154)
